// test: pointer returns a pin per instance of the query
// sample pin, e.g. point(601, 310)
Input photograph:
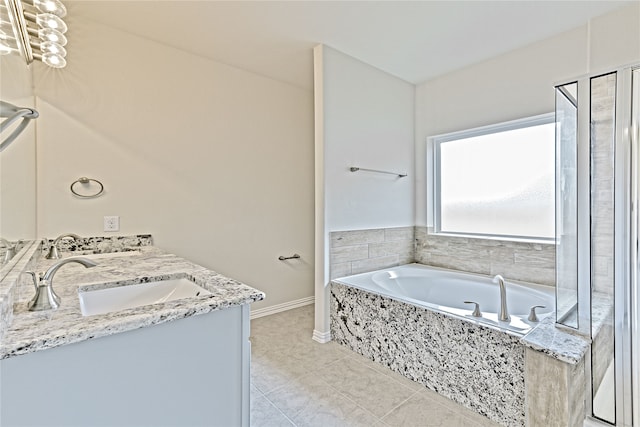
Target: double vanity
point(142, 338)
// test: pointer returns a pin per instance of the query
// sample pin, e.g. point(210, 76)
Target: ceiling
point(414, 40)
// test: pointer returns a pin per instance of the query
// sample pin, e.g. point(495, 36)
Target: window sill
point(517, 239)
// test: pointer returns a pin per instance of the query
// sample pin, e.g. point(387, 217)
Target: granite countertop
point(33, 331)
point(563, 343)
point(557, 343)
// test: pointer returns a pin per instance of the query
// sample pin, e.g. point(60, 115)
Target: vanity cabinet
point(188, 372)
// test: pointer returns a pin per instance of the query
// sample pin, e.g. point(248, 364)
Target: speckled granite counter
point(33, 331)
point(564, 344)
point(556, 343)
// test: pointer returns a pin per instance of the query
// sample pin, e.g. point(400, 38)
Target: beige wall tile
point(349, 253)
point(398, 247)
point(399, 233)
point(530, 262)
point(360, 251)
point(546, 390)
point(372, 264)
point(340, 269)
point(356, 237)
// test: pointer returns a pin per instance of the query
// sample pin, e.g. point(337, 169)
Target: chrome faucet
point(53, 250)
point(503, 316)
point(10, 253)
point(45, 297)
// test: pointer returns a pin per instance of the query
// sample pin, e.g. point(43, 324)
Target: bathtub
point(445, 291)
point(413, 320)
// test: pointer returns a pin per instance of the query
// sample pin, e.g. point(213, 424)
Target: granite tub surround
point(35, 331)
point(361, 251)
point(523, 261)
point(476, 366)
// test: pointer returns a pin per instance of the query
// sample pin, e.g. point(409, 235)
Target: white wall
point(364, 118)
point(214, 161)
point(519, 83)
point(368, 122)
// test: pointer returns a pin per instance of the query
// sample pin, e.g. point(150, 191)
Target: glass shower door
point(602, 166)
point(567, 205)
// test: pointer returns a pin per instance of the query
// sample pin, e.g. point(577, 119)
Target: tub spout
point(503, 316)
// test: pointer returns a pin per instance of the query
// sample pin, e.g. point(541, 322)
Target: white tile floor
point(296, 381)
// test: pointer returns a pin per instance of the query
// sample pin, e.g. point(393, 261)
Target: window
point(496, 180)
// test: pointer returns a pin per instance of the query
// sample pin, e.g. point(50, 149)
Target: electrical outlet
point(111, 223)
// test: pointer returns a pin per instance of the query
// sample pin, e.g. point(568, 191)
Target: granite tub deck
point(474, 365)
point(33, 331)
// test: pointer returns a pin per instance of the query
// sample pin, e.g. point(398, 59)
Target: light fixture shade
point(53, 60)
point(51, 35)
point(49, 20)
point(38, 31)
point(54, 7)
point(53, 48)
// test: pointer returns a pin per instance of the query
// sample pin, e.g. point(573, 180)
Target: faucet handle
point(476, 310)
point(532, 314)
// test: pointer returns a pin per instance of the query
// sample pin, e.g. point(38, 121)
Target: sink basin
point(103, 301)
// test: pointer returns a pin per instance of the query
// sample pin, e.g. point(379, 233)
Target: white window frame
point(433, 174)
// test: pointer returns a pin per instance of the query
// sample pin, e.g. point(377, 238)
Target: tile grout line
point(399, 405)
point(335, 390)
point(313, 371)
point(344, 396)
point(280, 410)
point(381, 419)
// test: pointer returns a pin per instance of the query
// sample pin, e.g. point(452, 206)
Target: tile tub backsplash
point(361, 251)
point(528, 262)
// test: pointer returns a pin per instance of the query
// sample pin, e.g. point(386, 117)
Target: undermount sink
point(101, 301)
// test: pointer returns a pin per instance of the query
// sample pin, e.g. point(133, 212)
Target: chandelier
point(35, 29)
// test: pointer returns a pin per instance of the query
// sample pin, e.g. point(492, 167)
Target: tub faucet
point(45, 297)
point(503, 316)
point(53, 250)
point(10, 253)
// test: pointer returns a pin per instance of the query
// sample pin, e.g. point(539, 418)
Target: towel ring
point(85, 180)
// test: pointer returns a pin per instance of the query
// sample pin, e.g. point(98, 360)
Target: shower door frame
point(625, 249)
point(626, 262)
point(634, 291)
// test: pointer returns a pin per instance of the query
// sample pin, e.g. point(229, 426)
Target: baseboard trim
point(278, 308)
point(321, 337)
